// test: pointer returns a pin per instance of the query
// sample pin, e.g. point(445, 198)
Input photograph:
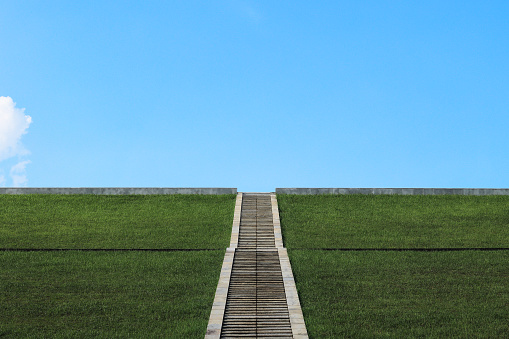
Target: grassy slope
point(107, 295)
point(399, 294)
point(403, 294)
point(136, 221)
point(110, 294)
point(394, 221)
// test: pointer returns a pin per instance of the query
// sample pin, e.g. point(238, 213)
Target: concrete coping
point(236, 222)
point(118, 190)
point(218, 307)
point(400, 191)
point(292, 298)
point(278, 236)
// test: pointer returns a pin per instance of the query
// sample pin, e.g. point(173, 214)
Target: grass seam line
point(405, 249)
point(109, 249)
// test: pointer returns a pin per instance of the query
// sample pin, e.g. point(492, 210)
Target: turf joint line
point(431, 249)
point(108, 249)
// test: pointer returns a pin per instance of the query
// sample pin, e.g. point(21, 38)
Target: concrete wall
point(117, 190)
point(402, 191)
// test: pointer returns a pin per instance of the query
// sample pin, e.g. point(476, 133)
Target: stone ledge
point(400, 191)
point(117, 190)
point(217, 313)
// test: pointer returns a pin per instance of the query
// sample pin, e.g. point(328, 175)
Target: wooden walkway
point(251, 299)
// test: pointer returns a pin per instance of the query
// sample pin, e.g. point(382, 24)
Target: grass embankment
point(138, 294)
point(403, 294)
point(374, 294)
point(394, 221)
point(119, 221)
point(107, 295)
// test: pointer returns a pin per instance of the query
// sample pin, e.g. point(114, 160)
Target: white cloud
point(18, 174)
point(13, 124)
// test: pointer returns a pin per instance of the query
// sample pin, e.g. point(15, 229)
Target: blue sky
point(255, 94)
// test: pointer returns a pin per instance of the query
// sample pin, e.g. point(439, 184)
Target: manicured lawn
point(403, 294)
point(107, 294)
point(120, 221)
point(399, 294)
point(100, 294)
point(394, 221)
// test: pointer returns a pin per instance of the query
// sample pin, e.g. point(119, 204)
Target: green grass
point(403, 294)
point(138, 294)
point(120, 221)
point(107, 294)
point(394, 294)
point(394, 221)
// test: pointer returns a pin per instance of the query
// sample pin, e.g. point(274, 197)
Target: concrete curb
point(118, 190)
point(401, 191)
point(219, 305)
point(236, 222)
point(292, 298)
point(278, 236)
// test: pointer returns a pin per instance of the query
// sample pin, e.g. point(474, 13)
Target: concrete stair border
point(219, 305)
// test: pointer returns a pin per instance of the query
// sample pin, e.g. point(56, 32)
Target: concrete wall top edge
point(118, 190)
point(400, 191)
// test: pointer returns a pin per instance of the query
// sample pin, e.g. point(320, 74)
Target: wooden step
point(256, 304)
